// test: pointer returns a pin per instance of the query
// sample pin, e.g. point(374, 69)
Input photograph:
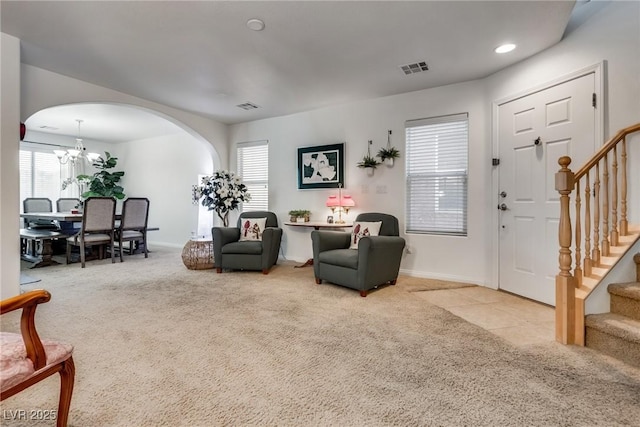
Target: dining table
point(57, 216)
point(62, 217)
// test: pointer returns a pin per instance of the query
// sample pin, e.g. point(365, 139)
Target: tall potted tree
point(103, 183)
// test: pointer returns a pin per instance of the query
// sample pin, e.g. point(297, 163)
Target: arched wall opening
point(161, 162)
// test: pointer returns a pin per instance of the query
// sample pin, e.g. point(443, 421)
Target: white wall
point(9, 173)
point(355, 124)
point(201, 148)
point(612, 35)
point(42, 89)
point(163, 170)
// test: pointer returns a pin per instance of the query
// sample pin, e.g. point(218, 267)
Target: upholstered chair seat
point(253, 245)
point(16, 367)
point(25, 359)
point(364, 259)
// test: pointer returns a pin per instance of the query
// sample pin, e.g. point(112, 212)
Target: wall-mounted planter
point(368, 162)
point(389, 154)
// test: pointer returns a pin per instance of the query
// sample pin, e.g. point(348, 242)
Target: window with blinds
point(437, 175)
point(253, 167)
point(39, 175)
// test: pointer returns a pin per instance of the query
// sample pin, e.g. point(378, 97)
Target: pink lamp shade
point(332, 202)
point(347, 202)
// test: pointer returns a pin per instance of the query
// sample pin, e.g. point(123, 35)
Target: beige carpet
point(159, 345)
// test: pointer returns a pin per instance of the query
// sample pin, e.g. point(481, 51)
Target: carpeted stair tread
point(614, 335)
point(628, 290)
point(616, 325)
point(625, 299)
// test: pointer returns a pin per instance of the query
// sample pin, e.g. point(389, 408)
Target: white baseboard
point(165, 244)
point(452, 278)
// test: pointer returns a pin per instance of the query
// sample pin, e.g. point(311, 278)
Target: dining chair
point(31, 205)
point(98, 220)
point(133, 224)
point(38, 204)
point(66, 204)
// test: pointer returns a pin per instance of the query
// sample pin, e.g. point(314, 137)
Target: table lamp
point(341, 203)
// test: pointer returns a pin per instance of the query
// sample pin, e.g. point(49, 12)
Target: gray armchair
point(230, 252)
point(375, 262)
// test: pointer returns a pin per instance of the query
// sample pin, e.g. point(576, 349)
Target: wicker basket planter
point(197, 254)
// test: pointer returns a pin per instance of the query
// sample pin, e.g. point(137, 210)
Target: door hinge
point(593, 100)
point(495, 162)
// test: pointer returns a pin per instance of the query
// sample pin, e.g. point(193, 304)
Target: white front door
point(533, 133)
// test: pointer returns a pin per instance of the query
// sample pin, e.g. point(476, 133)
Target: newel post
point(565, 282)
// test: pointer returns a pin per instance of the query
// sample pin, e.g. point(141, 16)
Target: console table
point(318, 225)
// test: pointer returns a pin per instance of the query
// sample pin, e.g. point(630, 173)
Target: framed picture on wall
point(321, 166)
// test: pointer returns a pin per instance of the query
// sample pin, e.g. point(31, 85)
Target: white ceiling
point(201, 57)
point(102, 122)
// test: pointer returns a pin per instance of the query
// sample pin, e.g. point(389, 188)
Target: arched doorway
point(161, 157)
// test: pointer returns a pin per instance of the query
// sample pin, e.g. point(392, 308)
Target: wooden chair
point(26, 360)
point(98, 220)
point(133, 224)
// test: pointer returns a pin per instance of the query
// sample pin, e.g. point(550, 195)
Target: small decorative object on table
point(197, 253)
point(299, 215)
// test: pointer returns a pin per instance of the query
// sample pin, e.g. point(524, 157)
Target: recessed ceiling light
point(255, 24)
point(505, 48)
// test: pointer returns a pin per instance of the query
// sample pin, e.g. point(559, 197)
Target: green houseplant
point(389, 153)
point(299, 213)
point(103, 183)
point(368, 161)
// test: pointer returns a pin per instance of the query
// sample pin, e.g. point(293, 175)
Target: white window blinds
point(39, 175)
point(436, 175)
point(253, 167)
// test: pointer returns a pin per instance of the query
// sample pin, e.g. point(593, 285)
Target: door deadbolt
point(537, 141)
point(503, 194)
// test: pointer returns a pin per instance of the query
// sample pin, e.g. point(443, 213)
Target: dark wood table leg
point(45, 259)
point(306, 264)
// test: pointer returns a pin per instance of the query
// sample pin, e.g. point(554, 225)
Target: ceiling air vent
point(247, 106)
point(416, 67)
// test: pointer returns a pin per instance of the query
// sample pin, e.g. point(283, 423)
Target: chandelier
point(76, 154)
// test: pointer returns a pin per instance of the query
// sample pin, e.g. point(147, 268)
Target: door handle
point(502, 206)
